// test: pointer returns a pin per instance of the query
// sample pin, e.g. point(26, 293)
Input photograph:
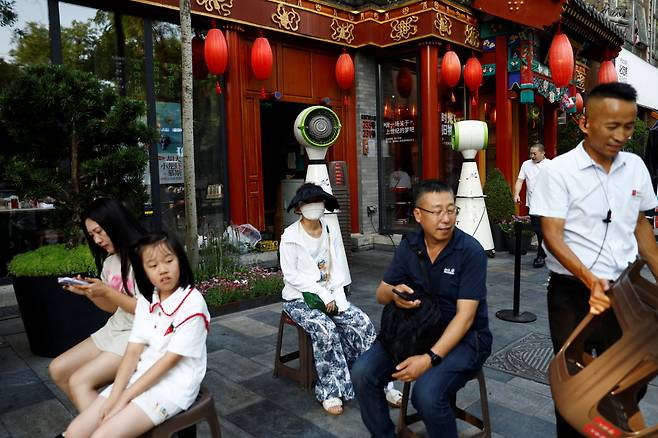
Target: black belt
point(568, 277)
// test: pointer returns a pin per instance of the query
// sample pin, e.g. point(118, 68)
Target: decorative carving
point(375, 15)
point(318, 7)
point(223, 7)
point(581, 75)
point(342, 32)
point(436, 5)
point(403, 29)
point(443, 24)
point(424, 5)
point(405, 10)
point(472, 36)
point(286, 20)
point(386, 16)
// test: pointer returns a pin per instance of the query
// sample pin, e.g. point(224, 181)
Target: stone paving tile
point(268, 420)
point(267, 317)
point(523, 402)
point(20, 389)
point(247, 326)
point(266, 359)
point(225, 338)
point(234, 366)
point(229, 396)
point(44, 419)
point(530, 386)
point(509, 423)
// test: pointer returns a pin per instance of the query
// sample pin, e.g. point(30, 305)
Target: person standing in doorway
point(529, 172)
point(592, 201)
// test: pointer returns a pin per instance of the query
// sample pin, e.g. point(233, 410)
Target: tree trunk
point(191, 240)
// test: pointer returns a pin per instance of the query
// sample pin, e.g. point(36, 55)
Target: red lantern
point(473, 76)
point(345, 73)
point(216, 52)
point(579, 103)
point(199, 68)
point(404, 82)
point(607, 72)
point(261, 61)
point(451, 70)
point(560, 60)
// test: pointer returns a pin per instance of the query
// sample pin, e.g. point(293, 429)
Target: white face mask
point(313, 211)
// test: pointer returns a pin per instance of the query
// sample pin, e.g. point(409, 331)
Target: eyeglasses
point(450, 212)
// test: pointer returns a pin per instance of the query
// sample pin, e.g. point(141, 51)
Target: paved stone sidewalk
point(253, 404)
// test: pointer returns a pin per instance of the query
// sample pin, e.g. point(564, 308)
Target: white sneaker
point(393, 397)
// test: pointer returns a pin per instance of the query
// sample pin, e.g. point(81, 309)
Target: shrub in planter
point(240, 286)
point(54, 319)
point(500, 206)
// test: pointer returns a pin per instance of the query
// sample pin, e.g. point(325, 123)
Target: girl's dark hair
point(122, 229)
point(186, 277)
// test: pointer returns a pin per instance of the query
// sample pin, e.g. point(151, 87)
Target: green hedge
point(53, 260)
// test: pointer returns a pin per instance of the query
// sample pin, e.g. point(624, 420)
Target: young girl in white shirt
point(161, 371)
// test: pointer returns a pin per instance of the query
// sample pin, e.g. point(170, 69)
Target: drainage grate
point(527, 357)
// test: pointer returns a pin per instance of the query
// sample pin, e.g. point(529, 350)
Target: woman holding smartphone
point(80, 371)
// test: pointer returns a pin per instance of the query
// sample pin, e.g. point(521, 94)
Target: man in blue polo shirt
point(457, 269)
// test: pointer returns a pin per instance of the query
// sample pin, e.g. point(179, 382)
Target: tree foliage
point(72, 138)
point(7, 13)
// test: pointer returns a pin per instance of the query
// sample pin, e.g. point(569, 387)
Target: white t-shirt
point(318, 248)
point(179, 324)
point(529, 172)
point(576, 189)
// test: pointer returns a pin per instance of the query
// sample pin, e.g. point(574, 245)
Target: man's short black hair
point(431, 186)
point(614, 90)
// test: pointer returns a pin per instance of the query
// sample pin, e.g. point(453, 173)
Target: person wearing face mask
point(313, 296)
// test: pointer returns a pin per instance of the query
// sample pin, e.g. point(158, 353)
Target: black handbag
point(409, 332)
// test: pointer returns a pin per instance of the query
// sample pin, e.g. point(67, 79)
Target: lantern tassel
point(473, 101)
point(218, 88)
point(263, 95)
point(452, 97)
point(346, 100)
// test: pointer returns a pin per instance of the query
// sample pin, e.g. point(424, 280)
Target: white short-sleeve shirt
point(529, 172)
point(573, 187)
point(178, 324)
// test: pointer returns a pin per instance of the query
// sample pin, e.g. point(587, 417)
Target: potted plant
point(500, 207)
point(71, 138)
point(45, 307)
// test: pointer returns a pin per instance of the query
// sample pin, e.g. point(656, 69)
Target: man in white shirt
point(592, 201)
point(529, 171)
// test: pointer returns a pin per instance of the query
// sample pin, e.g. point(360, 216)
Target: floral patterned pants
point(338, 340)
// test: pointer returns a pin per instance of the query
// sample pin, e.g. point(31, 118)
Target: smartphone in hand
point(68, 281)
point(404, 296)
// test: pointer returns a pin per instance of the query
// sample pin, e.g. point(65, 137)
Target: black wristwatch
point(435, 358)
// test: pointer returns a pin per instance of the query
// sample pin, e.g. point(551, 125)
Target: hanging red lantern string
point(216, 53)
point(560, 60)
point(473, 77)
point(261, 61)
point(579, 103)
point(345, 74)
point(451, 70)
point(607, 72)
point(199, 68)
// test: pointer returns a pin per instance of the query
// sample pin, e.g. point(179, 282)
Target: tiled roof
point(599, 16)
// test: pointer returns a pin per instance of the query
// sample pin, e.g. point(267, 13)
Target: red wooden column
point(503, 113)
point(550, 129)
point(234, 144)
point(429, 77)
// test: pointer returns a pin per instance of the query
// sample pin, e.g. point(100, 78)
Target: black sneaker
point(538, 262)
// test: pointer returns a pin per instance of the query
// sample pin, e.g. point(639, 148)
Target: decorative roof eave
point(533, 13)
point(583, 20)
point(402, 23)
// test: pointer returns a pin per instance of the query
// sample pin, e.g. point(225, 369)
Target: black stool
point(203, 409)
point(484, 424)
point(305, 374)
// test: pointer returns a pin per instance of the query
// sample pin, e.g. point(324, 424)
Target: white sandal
point(393, 397)
point(331, 404)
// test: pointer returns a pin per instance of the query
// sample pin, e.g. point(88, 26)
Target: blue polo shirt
point(459, 272)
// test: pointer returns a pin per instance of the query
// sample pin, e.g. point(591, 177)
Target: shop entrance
point(283, 163)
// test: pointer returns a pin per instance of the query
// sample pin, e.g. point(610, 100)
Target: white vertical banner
point(643, 76)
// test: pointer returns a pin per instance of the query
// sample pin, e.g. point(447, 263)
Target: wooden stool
point(305, 374)
point(203, 409)
point(483, 424)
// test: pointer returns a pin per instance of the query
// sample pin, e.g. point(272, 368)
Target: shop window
point(399, 147)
